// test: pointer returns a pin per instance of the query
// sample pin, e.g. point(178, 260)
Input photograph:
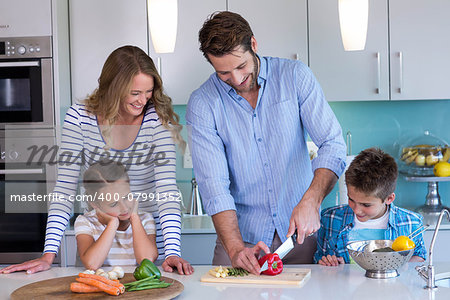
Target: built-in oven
point(27, 177)
point(27, 145)
point(26, 82)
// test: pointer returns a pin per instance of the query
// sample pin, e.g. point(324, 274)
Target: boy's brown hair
point(222, 32)
point(373, 172)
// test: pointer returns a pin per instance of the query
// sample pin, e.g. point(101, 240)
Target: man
point(248, 125)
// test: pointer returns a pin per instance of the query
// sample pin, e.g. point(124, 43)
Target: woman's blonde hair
point(114, 85)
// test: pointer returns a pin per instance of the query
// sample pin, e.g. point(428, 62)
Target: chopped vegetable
point(78, 287)
point(275, 265)
point(237, 272)
point(112, 290)
point(219, 272)
point(89, 272)
point(224, 272)
point(146, 269)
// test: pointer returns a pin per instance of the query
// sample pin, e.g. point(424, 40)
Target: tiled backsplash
point(384, 124)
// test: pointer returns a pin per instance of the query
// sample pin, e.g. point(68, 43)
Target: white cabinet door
point(280, 27)
point(96, 29)
point(22, 18)
point(420, 49)
point(186, 69)
point(349, 75)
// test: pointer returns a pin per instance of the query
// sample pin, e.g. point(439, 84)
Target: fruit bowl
point(379, 265)
point(419, 156)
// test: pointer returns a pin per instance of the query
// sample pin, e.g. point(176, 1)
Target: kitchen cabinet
point(280, 27)
point(419, 49)
point(24, 18)
point(349, 75)
point(406, 55)
point(186, 69)
point(96, 29)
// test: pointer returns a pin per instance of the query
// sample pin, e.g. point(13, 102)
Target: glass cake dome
point(418, 156)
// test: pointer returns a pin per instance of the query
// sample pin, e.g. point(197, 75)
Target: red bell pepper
point(275, 265)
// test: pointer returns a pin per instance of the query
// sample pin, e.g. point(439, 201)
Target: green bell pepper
point(146, 269)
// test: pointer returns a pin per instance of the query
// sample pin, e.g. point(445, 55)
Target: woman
point(129, 119)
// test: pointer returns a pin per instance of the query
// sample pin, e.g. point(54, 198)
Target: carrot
point(78, 287)
point(112, 290)
point(104, 280)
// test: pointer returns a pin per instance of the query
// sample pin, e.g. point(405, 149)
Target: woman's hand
point(331, 261)
point(32, 266)
point(183, 267)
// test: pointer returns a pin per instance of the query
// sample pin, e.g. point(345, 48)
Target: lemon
point(402, 243)
point(442, 169)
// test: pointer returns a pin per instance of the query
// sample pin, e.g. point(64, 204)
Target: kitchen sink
point(443, 280)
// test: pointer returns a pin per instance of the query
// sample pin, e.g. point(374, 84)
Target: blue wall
point(385, 124)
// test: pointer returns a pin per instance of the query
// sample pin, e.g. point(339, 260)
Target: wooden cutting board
point(291, 276)
point(59, 288)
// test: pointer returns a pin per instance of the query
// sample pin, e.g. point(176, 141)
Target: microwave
point(26, 82)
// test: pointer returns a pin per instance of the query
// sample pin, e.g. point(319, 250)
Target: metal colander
point(378, 264)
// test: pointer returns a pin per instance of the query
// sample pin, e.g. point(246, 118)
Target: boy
point(370, 213)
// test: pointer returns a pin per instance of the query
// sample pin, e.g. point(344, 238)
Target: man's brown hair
point(222, 32)
point(373, 172)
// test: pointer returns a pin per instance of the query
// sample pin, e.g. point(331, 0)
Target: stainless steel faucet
point(427, 272)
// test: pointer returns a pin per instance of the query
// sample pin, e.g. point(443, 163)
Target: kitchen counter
point(342, 282)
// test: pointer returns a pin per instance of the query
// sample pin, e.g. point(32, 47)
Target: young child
point(370, 213)
point(113, 233)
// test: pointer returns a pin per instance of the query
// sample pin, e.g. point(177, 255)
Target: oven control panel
point(26, 47)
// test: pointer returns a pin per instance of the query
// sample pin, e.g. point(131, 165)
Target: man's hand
point(331, 261)
point(305, 217)
point(182, 266)
point(247, 258)
point(32, 266)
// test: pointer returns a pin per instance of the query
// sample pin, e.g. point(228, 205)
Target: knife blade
point(284, 249)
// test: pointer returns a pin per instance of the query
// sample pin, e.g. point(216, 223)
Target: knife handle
point(294, 237)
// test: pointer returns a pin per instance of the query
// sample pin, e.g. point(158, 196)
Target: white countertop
point(342, 282)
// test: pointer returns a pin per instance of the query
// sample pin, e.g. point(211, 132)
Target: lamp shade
point(353, 18)
point(162, 20)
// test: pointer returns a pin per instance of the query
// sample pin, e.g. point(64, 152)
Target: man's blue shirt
point(255, 161)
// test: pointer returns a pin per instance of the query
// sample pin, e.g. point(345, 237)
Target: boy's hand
point(106, 219)
point(331, 261)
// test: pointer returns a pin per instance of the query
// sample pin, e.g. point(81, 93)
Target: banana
point(411, 158)
point(446, 155)
point(409, 155)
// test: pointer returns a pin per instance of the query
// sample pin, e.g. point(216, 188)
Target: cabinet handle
point(400, 57)
point(378, 89)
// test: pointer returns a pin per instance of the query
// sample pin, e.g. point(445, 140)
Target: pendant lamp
point(353, 18)
point(162, 21)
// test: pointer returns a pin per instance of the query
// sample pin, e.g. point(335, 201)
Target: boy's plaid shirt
point(337, 221)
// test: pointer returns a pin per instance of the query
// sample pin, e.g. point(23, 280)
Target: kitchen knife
point(284, 249)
